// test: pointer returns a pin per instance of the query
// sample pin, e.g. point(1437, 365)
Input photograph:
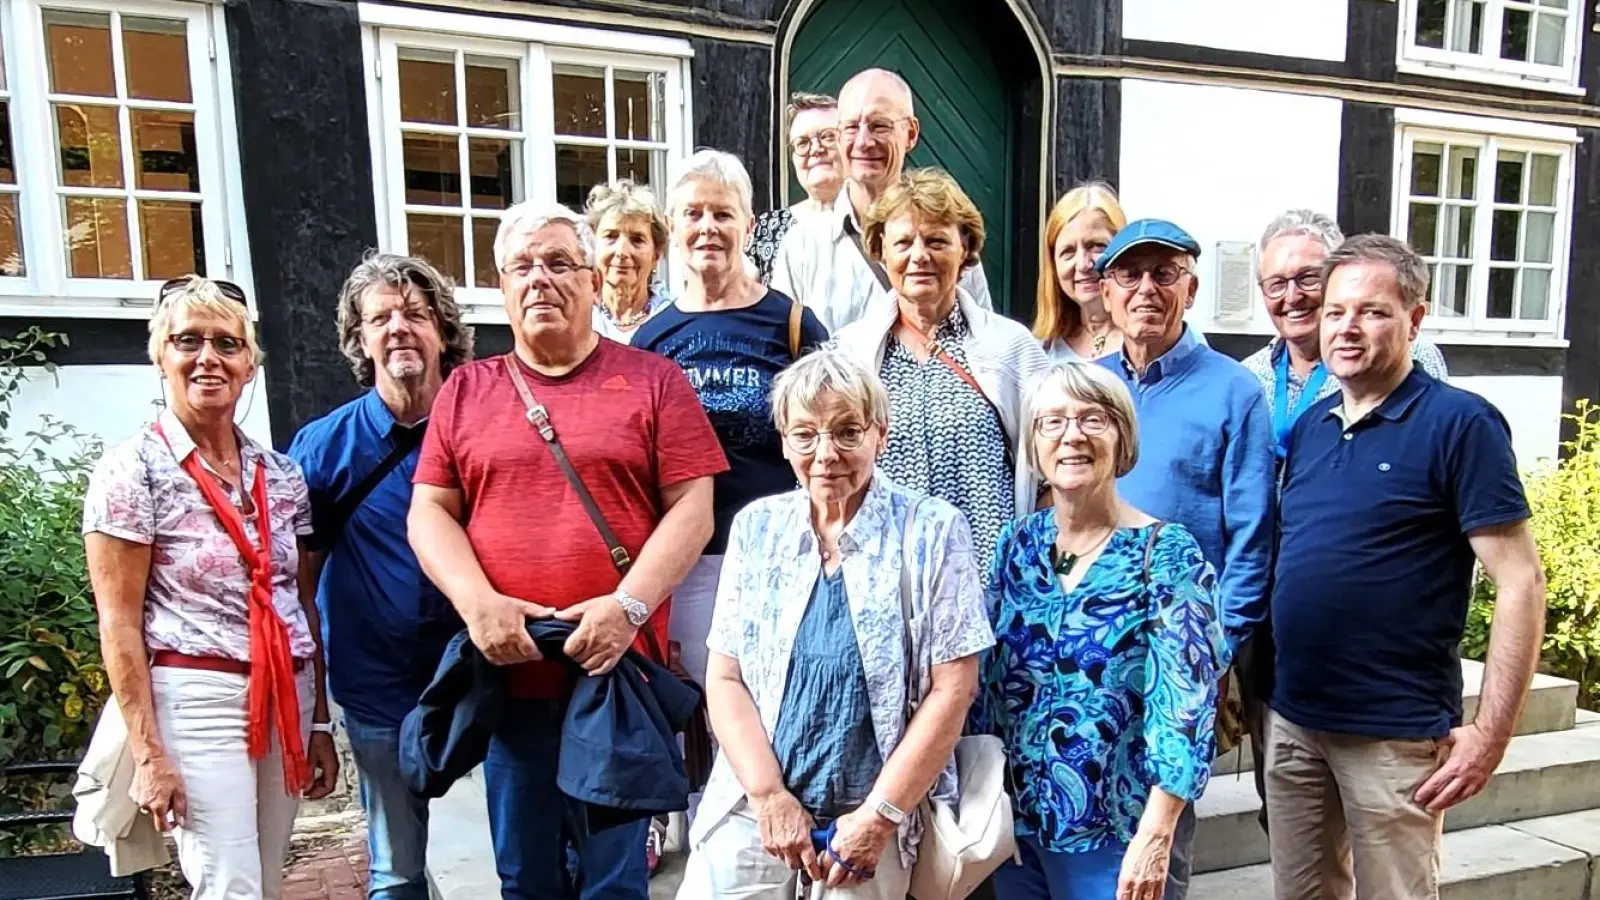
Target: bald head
point(877, 128)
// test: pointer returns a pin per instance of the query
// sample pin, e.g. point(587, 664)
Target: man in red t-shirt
point(497, 526)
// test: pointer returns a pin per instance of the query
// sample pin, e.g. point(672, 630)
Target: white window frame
point(1490, 136)
point(540, 47)
point(47, 289)
point(1487, 67)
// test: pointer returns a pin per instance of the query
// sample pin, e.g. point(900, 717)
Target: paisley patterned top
point(768, 575)
point(770, 228)
point(1105, 692)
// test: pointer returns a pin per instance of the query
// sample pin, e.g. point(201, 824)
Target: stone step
point(1495, 862)
point(1541, 775)
point(1579, 831)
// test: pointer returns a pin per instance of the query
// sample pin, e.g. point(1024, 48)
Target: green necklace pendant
point(1063, 562)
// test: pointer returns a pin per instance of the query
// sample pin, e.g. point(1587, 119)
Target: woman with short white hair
point(809, 670)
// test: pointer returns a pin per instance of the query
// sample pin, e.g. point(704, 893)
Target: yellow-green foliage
point(1565, 499)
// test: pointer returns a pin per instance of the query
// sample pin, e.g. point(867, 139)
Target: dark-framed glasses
point(807, 144)
point(1054, 426)
point(524, 268)
point(1164, 274)
point(226, 288)
point(190, 344)
point(845, 437)
point(878, 127)
point(1308, 281)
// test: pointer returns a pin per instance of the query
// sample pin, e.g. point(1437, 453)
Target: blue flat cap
point(1147, 231)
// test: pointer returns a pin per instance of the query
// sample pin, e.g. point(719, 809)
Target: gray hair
point(801, 101)
point(1090, 384)
point(1303, 221)
point(404, 274)
point(716, 167)
point(627, 200)
point(1410, 272)
point(798, 387)
point(527, 217)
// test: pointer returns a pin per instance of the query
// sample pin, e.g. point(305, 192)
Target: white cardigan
point(1002, 353)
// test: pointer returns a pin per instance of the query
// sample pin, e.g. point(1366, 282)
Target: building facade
point(273, 141)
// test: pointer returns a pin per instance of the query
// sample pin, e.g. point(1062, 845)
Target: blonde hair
point(1055, 315)
point(1091, 384)
point(201, 295)
point(627, 200)
point(932, 195)
point(822, 371)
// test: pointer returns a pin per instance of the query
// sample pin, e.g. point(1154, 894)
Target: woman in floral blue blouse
point(1108, 649)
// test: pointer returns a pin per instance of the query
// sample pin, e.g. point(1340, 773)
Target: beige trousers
point(1343, 824)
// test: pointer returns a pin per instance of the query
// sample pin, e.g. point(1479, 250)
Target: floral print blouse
point(1107, 691)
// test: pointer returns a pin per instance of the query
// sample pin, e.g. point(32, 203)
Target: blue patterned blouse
point(1102, 693)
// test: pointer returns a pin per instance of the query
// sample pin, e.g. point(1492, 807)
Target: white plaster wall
point(114, 401)
point(1308, 29)
point(1531, 403)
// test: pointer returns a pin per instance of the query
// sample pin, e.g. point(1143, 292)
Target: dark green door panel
point(963, 100)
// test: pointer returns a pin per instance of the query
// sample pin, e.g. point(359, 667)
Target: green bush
point(52, 683)
point(1565, 499)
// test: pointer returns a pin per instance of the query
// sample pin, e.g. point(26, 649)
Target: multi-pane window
point(1534, 38)
point(610, 123)
point(1488, 214)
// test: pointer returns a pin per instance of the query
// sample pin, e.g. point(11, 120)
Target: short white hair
point(527, 217)
point(797, 388)
point(716, 167)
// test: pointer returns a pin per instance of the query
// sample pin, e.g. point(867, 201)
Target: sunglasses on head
point(226, 288)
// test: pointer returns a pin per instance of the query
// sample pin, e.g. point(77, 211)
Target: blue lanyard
point(1283, 418)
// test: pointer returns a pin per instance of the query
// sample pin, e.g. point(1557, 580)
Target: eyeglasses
point(807, 144)
point(1090, 423)
point(845, 437)
point(1164, 275)
point(878, 128)
point(226, 288)
point(1308, 281)
point(190, 344)
point(523, 268)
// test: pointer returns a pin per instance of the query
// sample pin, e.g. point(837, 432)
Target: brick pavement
point(338, 872)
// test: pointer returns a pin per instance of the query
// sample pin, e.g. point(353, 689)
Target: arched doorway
point(980, 96)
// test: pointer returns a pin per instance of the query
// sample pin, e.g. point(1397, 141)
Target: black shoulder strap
point(327, 529)
point(874, 265)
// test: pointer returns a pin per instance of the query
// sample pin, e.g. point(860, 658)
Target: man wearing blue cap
point(1205, 454)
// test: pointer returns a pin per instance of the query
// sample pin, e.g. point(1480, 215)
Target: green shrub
point(1565, 499)
point(52, 683)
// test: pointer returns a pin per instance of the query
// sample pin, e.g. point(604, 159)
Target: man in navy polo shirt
point(1392, 489)
point(383, 623)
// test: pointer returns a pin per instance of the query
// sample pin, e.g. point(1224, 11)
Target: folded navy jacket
point(619, 748)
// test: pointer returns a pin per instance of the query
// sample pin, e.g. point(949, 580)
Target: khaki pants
point(1343, 822)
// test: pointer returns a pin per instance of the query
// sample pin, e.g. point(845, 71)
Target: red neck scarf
point(272, 698)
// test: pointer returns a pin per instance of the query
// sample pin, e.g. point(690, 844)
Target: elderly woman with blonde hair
point(1103, 682)
point(1069, 318)
point(809, 665)
point(208, 628)
point(630, 237)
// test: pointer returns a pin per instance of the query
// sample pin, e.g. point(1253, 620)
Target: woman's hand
point(1144, 866)
point(158, 789)
point(786, 832)
point(323, 760)
point(859, 840)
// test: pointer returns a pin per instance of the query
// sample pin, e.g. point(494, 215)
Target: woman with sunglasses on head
point(814, 147)
point(209, 633)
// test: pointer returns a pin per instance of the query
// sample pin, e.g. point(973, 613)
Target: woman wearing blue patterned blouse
point(808, 673)
point(1108, 649)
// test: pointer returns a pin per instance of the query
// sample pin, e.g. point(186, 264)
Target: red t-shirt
point(631, 424)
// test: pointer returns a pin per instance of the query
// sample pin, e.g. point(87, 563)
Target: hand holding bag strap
point(539, 418)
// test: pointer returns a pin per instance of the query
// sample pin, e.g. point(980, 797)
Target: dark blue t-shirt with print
point(731, 357)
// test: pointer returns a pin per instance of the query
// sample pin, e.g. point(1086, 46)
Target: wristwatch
point(322, 727)
point(637, 612)
point(882, 807)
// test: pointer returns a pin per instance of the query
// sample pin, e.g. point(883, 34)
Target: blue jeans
point(1088, 876)
point(397, 821)
point(535, 826)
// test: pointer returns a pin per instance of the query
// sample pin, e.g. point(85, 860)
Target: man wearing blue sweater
point(1205, 436)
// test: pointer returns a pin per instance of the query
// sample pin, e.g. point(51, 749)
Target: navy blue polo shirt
point(384, 624)
point(1374, 569)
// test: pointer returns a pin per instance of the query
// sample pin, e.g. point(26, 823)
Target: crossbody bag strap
point(1150, 549)
point(795, 310)
point(932, 346)
point(539, 418)
point(907, 574)
point(877, 267)
point(327, 528)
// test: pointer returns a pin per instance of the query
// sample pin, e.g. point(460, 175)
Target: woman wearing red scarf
point(210, 635)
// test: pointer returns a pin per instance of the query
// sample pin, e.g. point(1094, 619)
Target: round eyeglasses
point(1164, 275)
point(807, 144)
point(1090, 423)
point(1308, 281)
point(807, 440)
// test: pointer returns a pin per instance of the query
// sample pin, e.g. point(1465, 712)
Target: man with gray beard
point(384, 625)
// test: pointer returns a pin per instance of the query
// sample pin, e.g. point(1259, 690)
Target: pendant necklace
point(1063, 561)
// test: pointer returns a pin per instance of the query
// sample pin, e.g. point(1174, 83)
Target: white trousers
point(729, 864)
point(237, 835)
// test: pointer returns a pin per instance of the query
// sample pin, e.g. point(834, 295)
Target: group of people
point(865, 512)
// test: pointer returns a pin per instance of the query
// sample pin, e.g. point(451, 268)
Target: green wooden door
point(962, 100)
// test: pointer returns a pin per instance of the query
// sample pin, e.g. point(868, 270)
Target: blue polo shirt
point(384, 625)
point(1206, 462)
point(1374, 570)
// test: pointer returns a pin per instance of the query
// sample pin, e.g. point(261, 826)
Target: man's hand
point(1471, 757)
point(323, 760)
point(498, 626)
point(604, 633)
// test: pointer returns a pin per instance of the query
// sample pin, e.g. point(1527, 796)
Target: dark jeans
point(1255, 667)
point(537, 829)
